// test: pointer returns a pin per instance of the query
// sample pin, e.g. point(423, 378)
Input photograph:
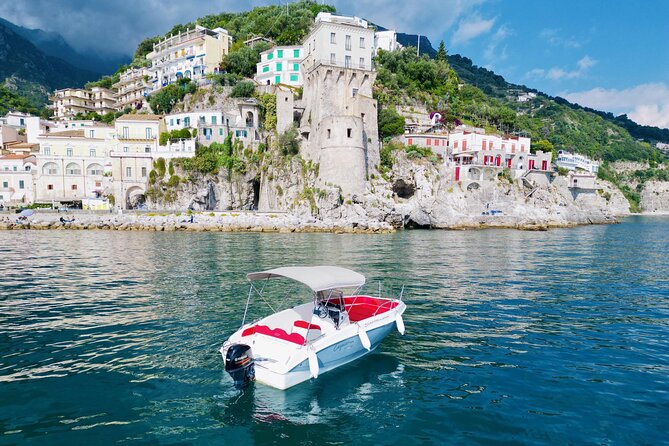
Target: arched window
point(73, 169)
point(95, 169)
point(50, 169)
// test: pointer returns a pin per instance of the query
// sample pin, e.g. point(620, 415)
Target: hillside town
point(323, 88)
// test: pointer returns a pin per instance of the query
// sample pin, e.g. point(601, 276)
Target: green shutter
point(220, 132)
point(279, 54)
point(277, 79)
point(296, 53)
point(270, 56)
point(265, 69)
point(296, 67)
point(293, 77)
point(279, 66)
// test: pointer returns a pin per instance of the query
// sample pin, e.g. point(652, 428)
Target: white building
point(132, 89)
point(191, 54)
point(242, 120)
point(17, 181)
point(339, 41)
point(574, 161)
point(68, 102)
point(281, 65)
point(72, 164)
point(386, 40)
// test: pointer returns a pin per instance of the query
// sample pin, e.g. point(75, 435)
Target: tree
point(243, 89)
point(391, 123)
point(243, 61)
point(441, 52)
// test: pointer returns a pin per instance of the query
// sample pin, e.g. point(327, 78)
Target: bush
point(244, 89)
point(288, 142)
point(391, 123)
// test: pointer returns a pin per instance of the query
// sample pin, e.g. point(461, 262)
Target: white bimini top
point(318, 278)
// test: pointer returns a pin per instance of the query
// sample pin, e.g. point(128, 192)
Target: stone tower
point(339, 122)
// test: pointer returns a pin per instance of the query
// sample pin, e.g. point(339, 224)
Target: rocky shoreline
point(253, 222)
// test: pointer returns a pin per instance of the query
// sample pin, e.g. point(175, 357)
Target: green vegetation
point(268, 111)
point(288, 142)
point(242, 62)
point(244, 89)
point(415, 152)
point(176, 134)
point(164, 100)
point(391, 123)
point(209, 160)
point(10, 100)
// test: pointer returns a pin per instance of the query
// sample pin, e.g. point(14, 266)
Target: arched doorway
point(134, 197)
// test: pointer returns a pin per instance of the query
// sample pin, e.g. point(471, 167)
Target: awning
point(318, 278)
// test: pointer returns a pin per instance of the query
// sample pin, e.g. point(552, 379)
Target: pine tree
point(441, 52)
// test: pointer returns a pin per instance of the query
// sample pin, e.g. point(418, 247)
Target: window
point(429, 141)
point(73, 169)
point(148, 133)
point(484, 145)
point(409, 141)
point(279, 54)
point(348, 43)
point(333, 58)
point(128, 171)
point(265, 69)
point(213, 120)
point(91, 133)
point(49, 186)
point(14, 168)
point(347, 62)
point(329, 133)
point(125, 149)
point(74, 187)
point(50, 169)
point(270, 56)
point(220, 132)
point(362, 62)
point(95, 169)
point(171, 121)
point(293, 78)
point(178, 121)
point(147, 149)
point(187, 122)
point(296, 67)
point(143, 172)
point(333, 38)
point(354, 92)
point(70, 151)
point(277, 79)
point(362, 42)
point(98, 184)
point(47, 151)
point(279, 66)
point(296, 53)
point(126, 132)
point(5, 184)
point(91, 153)
point(349, 132)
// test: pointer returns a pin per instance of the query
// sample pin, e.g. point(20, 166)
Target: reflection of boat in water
point(293, 345)
point(347, 389)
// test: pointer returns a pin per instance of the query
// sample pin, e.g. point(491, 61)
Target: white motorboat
point(303, 342)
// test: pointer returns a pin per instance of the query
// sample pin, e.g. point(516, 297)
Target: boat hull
point(329, 358)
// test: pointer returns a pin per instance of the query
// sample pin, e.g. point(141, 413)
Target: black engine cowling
point(239, 364)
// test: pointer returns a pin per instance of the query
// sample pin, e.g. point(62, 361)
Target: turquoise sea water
point(558, 337)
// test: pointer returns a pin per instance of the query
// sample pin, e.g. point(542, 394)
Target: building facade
point(386, 41)
point(574, 161)
point(280, 65)
point(17, 179)
point(133, 88)
point(339, 120)
point(191, 54)
point(68, 102)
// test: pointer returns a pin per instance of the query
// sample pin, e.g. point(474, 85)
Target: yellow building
point(191, 54)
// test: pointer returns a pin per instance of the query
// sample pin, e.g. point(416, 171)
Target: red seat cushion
point(307, 325)
point(249, 331)
point(363, 307)
point(280, 333)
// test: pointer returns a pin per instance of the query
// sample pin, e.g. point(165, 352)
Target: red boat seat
point(306, 325)
point(363, 307)
point(278, 333)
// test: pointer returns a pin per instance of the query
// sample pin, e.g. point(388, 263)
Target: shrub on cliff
point(391, 123)
point(244, 89)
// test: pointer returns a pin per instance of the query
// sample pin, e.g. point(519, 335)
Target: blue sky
point(610, 55)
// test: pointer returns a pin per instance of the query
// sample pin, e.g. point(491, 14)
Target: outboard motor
point(240, 365)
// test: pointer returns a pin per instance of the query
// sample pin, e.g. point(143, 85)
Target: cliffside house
point(280, 65)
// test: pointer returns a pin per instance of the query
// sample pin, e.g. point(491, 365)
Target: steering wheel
point(322, 311)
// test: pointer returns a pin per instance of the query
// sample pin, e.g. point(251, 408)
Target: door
point(499, 160)
point(544, 165)
point(457, 173)
point(530, 165)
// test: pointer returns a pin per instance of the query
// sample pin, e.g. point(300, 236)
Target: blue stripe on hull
point(345, 351)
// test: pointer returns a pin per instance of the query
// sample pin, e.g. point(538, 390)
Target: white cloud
point(555, 37)
point(472, 27)
point(495, 52)
point(556, 73)
point(646, 104)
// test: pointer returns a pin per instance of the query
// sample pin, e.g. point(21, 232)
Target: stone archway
point(134, 197)
point(474, 173)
